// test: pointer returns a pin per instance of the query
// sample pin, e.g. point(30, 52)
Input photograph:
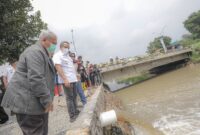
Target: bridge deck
point(145, 60)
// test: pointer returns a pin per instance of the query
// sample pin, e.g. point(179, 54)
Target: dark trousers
point(71, 94)
point(3, 115)
point(33, 124)
point(92, 79)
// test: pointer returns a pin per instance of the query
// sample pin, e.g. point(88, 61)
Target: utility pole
point(162, 41)
point(163, 44)
point(72, 31)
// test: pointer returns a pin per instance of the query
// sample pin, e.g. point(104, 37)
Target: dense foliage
point(192, 24)
point(19, 27)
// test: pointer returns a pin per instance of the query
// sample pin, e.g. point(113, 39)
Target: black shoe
point(77, 112)
point(2, 121)
point(72, 119)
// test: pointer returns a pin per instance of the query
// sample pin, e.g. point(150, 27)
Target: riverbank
point(89, 124)
point(145, 76)
point(195, 46)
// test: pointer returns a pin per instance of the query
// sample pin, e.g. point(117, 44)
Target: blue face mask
point(52, 48)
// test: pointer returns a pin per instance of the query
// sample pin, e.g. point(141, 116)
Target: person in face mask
point(29, 91)
point(51, 49)
point(67, 77)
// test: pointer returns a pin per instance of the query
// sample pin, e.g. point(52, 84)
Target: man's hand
point(78, 77)
point(66, 83)
point(5, 81)
point(6, 85)
point(62, 75)
point(49, 108)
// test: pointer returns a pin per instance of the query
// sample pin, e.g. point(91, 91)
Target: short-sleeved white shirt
point(9, 72)
point(67, 65)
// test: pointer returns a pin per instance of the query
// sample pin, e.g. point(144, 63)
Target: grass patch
point(136, 79)
point(196, 52)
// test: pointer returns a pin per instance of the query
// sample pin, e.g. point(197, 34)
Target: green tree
point(19, 27)
point(188, 41)
point(156, 44)
point(192, 24)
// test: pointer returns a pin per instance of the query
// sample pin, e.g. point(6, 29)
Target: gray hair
point(46, 34)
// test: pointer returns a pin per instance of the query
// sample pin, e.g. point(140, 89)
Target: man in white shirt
point(78, 83)
point(9, 72)
point(67, 76)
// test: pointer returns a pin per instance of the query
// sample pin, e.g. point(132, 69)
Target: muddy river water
point(168, 104)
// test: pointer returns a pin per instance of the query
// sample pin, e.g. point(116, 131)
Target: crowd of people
point(39, 75)
point(4, 80)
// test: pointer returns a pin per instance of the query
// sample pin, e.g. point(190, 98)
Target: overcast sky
point(110, 28)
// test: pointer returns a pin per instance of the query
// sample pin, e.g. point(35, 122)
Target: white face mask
point(66, 51)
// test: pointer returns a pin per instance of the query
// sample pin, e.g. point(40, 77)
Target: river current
point(168, 104)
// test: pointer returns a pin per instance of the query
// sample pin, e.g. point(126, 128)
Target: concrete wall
point(88, 122)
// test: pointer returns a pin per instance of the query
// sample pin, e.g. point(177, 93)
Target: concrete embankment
point(88, 122)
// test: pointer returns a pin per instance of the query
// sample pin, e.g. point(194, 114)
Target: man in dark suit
point(30, 91)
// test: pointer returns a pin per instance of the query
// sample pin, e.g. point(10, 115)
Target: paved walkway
point(58, 120)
